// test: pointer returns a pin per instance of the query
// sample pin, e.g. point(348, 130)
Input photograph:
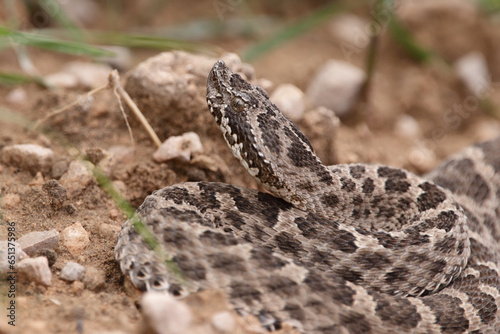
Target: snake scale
point(356, 248)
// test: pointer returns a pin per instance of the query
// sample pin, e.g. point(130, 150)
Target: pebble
point(4, 253)
point(407, 127)
point(175, 82)
point(10, 201)
point(49, 254)
point(37, 180)
point(75, 238)
point(224, 322)
point(109, 231)
point(422, 158)
point(33, 242)
point(94, 279)
point(79, 73)
point(317, 122)
point(31, 157)
point(290, 100)
point(57, 193)
point(336, 86)
point(59, 168)
point(17, 96)
point(77, 178)
point(116, 155)
point(36, 270)
point(72, 271)
point(472, 69)
point(351, 30)
point(179, 147)
point(164, 314)
point(122, 60)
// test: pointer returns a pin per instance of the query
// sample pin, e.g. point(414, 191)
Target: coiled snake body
point(347, 248)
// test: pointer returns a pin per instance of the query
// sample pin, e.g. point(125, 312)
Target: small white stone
point(290, 100)
point(36, 269)
point(35, 241)
point(407, 127)
point(350, 29)
point(17, 96)
point(422, 157)
point(75, 238)
point(473, 70)
point(61, 80)
point(31, 157)
point(224, 322)
point(164, 314)
point(72, 271)
point(122, 59)
point(5, 252)
point(336, 86)
point(77, 178)
point(179, 147)
point(10, 201)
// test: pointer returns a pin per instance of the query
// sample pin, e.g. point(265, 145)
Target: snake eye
point(237, 104)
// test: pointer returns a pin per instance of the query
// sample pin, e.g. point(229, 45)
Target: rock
point(30, 157)
point(407, 127)
point(5, 252)
point(336, 86)
point(59, 168)
point(37, 180)
point(179, 147)
point(57, 193)
point(33, 242)
point(36, 270)
point(473, 70)
point(77, 178)
point(17, 96)
point(163, 314)
point(224, 322)
point(109, 231)
point(116, 155)
point(72, 271)
point(422, 158)
point(10, 201)
point(290, 100)
point(122, 60)
point(321, 126)
point(352, 32)
point(174, 83)
point(61, 80)
point(49, 254)
point(76, 73)
point(75, 238)
point(94, 279)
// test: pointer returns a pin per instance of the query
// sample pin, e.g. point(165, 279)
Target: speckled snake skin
point(341, 249)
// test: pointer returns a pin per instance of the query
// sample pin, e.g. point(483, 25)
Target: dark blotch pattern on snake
point(348, 248)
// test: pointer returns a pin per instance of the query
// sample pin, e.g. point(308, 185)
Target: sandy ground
point(447, 114)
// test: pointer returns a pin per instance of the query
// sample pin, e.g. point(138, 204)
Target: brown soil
point(427, 92)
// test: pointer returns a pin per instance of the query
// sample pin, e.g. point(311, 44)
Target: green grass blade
point(13, 79)
point(39, 40)
point(59, 15)
point(405, 39)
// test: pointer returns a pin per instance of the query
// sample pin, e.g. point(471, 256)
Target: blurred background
point(401, 83)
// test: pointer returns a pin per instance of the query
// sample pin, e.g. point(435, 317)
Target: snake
point(348, 248)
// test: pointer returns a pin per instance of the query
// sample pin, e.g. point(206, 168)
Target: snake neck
point(268, 144)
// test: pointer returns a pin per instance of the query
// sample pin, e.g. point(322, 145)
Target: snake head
point(268, 144)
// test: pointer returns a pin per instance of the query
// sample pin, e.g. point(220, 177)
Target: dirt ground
point(447, 115)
